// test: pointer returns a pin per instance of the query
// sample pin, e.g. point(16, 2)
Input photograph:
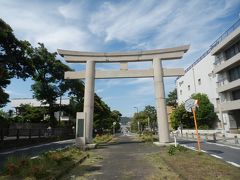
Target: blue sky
point(122, 25)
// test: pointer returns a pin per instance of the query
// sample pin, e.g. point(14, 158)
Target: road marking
point(25, 149)
point(8, 152)
point(34, 157)
point(41, 145)
point(233, 163)
point(216, 156)
point(223, 145)
point(189, 147)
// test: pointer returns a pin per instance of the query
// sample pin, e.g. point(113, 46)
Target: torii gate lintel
point(157, 72)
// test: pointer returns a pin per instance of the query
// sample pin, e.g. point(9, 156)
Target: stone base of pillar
point(160, 144)
point(87, 147)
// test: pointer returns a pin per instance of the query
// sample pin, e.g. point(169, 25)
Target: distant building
point(16, 103)
point(208, 72)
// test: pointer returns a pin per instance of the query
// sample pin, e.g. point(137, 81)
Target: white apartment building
point(227, 68)
point(203, 77)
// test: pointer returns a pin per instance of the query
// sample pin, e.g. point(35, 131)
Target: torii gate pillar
point(162, 120)
point(157, 73)
point(89, 99)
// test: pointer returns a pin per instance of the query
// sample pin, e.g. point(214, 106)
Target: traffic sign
point(189, 104)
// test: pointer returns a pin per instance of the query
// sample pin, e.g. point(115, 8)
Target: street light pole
point(138, 121)
point(138, 126)
point(136, 108)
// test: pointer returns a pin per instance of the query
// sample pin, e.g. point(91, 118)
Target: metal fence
point(214, 137)
point(10, 134)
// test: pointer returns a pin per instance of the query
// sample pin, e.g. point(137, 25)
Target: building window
point(234, 73)
point(189, 87)
point(180, 92)
point(236, 95)
point(233, 50)
point(180, 83)
point(199, 82)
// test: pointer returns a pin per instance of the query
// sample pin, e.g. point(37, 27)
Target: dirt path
point(122, 159)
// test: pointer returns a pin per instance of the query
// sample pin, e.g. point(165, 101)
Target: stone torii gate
point(157, 72)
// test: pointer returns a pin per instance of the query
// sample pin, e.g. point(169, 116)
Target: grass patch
point(47, 166)
point(147, 137)
point(188, 164)
point(88, 168)
point(102, 139)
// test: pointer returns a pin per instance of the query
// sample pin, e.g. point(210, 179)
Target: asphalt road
point(33, 150)
point(227, 153)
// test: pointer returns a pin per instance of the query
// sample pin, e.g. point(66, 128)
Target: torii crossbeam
point(157, 72)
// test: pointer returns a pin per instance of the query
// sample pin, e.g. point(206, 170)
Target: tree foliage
point(14, 60)
point(32, 114)
point(151, 113)
point(180, 115)
point(19, 59)
point(171, 100)
point(206, 117)
point(48, 76)
point(205, 113)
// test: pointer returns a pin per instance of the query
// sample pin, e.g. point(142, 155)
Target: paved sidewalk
point(123, 159)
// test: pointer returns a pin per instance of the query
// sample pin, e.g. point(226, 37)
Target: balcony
point(229, 86)
point(225, 65)
point(230, 105)
point(226, 41)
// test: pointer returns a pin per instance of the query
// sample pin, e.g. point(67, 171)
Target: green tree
point(141, 118)
point(4, 119)
point(171, 100)
point(206, 117)
point(32, 114)
point(152, 115)
point(180, 115)
point(116, 116)
point(14, 59)
point(49, 78)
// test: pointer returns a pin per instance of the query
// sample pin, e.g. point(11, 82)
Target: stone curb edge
point(71, 167)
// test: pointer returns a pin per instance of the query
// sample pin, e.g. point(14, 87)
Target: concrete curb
point(71, 167)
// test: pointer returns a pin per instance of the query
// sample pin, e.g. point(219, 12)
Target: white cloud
point(14, 93)
point(39, 22)
point(122, 25)
point(128, 21)
point(72, 10)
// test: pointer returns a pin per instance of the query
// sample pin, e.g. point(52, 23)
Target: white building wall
point(202, 70)
point(34, 102)
point(200, 79)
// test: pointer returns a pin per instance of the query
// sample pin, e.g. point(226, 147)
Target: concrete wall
point(202, 71)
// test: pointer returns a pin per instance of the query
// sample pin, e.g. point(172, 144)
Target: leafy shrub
point(102, 139)
point(42, 167)
point(147, 137)
point(172, 149)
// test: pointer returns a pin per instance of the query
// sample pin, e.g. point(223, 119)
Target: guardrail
point(206, 137)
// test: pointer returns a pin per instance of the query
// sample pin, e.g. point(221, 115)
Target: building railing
point(215, 43)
